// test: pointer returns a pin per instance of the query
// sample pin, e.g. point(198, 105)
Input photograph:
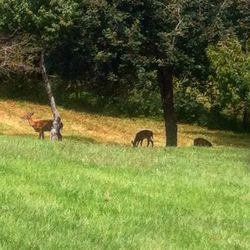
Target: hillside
point(91, 192)
point(104, 129)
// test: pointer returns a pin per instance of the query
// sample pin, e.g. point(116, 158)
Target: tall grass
point(74, 195)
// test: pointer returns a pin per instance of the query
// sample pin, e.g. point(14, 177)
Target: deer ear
point(32, 113)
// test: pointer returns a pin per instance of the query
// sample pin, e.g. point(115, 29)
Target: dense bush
point(21, 87)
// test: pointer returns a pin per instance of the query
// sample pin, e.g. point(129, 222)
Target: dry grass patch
point(106, 129)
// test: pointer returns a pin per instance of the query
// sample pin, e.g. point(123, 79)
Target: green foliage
point(44, 20)
point(114, 49)
point(21, 87)
point(232, 75)
point(109, 43)
point(240, 20)
point(188, 107)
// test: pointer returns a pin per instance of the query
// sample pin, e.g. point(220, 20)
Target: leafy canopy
point(232, 72)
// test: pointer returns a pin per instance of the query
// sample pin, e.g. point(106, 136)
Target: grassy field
point(92, 191)
point(75, 195)
point(104, 129)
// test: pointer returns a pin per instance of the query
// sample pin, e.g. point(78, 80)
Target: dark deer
point(200, 142)
point(140, 136)
point(39, 126)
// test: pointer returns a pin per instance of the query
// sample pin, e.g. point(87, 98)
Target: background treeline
point(105, 56)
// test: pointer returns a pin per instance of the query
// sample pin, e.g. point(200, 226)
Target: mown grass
point(75, 195)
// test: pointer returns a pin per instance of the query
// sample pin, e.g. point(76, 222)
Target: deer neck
point(31, 122)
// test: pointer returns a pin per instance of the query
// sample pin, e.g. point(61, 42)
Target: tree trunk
point(246, 116)
point(167, 95)
point(55, 133)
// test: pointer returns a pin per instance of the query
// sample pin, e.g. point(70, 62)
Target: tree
point(178, 35)
point(109, 43)
point(166, 38)
point(231, 67)
point(239, 14)
point(41, 24)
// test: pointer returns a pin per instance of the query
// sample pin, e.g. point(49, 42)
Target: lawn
point(80, 195)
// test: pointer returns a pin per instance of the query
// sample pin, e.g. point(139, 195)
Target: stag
point(40, 126)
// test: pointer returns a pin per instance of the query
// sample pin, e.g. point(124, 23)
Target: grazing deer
point(200, 142)
point(140, 136)
point(39, 126)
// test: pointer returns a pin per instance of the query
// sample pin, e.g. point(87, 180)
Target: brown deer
point(40, 126)
point(200, 142)
point(140, 136)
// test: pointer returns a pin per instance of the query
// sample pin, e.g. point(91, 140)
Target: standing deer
point(200, 142)
point(40, 126)
point(140, 136)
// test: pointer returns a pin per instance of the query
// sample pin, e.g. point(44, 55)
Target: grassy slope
point(75, 195)
point(96, 128)
point(80, 195)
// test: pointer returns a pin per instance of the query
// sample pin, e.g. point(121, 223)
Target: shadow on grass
point(19, 135)
point(81, 139)
point(89, 140)
point(72, 138)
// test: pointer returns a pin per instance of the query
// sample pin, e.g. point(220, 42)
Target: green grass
point(75, 195)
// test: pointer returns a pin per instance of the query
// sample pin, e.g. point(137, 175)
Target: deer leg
point(141, 142)
point(59, 136)
point(41, 135)
point(148, 142)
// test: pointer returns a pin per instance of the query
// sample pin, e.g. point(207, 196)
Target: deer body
point(141, 135)
point(40, 126)
point(200, 142)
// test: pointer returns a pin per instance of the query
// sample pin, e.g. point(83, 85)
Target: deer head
point(28, 116)
point(133, 143)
